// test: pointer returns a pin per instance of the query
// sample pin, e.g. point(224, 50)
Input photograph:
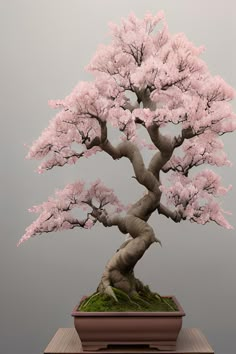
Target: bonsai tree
point(149, 79)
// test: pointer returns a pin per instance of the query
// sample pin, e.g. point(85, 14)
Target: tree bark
point(119, 271)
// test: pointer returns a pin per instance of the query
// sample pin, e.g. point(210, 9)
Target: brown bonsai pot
point(99, 330)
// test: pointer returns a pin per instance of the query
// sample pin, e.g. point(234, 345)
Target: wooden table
point(190, 341)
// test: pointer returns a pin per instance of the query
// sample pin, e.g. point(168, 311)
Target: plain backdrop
point(45, 46)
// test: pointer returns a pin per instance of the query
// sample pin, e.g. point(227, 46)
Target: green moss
point(145, 300)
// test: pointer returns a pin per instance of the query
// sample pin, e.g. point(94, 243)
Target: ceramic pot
point(99, 330)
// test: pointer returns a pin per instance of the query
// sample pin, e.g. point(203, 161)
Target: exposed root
point(109, 291)
point(171, 307)
point(86, 303)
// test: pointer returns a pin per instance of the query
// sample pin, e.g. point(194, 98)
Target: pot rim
point(179, 313)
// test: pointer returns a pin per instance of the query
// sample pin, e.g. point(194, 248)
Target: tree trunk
point(119, 271)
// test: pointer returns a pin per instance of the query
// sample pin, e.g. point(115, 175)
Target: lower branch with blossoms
point(56, 215)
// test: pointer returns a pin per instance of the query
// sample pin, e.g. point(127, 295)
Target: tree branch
point(186, 133)
point(174, 215)
point(107, 220)
point(165, 146)
point(131, 151)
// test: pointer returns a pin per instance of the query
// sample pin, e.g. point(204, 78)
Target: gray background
point(44, 47)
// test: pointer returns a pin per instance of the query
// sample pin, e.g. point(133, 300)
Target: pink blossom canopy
point(145, 79)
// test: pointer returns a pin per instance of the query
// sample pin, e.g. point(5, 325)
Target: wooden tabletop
point(190, 341)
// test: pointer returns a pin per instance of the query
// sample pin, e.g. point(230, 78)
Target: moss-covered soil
point(145, 300)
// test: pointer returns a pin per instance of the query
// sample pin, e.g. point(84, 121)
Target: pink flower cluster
point(55, 214)
point(194, 198)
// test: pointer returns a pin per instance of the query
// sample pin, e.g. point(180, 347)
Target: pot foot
point(160, 346)
point(163, 346)
point(94, 346)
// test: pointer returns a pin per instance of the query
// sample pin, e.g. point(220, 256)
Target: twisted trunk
point(119, 271)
